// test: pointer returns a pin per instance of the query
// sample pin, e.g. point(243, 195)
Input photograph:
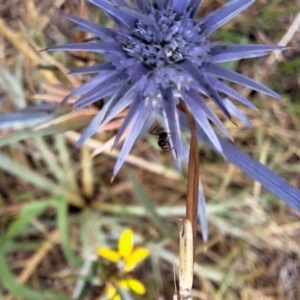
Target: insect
point(163, 138)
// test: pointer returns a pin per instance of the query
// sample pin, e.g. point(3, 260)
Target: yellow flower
point(135, 285)
point(126, 257)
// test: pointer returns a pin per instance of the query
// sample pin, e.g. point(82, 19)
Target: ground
point(57, 205)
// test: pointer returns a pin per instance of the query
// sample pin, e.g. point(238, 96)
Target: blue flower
point(160, 54)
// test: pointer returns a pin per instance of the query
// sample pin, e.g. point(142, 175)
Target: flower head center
point(168, 39)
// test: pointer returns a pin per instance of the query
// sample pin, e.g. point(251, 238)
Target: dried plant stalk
point(186, 259)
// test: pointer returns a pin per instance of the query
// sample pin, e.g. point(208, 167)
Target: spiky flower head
point(158, 55)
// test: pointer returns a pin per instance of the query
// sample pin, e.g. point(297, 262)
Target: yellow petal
point(124, 284)
point(125, 245)
point(109, 254)
point(135, 258)
point(136, 286)
point(111, 293)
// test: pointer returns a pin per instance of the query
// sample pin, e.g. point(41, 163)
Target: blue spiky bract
point(158, 54)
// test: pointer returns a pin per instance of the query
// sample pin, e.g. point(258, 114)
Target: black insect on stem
point(163, 138)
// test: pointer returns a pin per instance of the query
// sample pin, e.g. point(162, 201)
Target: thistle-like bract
point(158, 54)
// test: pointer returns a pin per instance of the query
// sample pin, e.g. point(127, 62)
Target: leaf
point(62, 220)
point(27, 214)
point(10, 283)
